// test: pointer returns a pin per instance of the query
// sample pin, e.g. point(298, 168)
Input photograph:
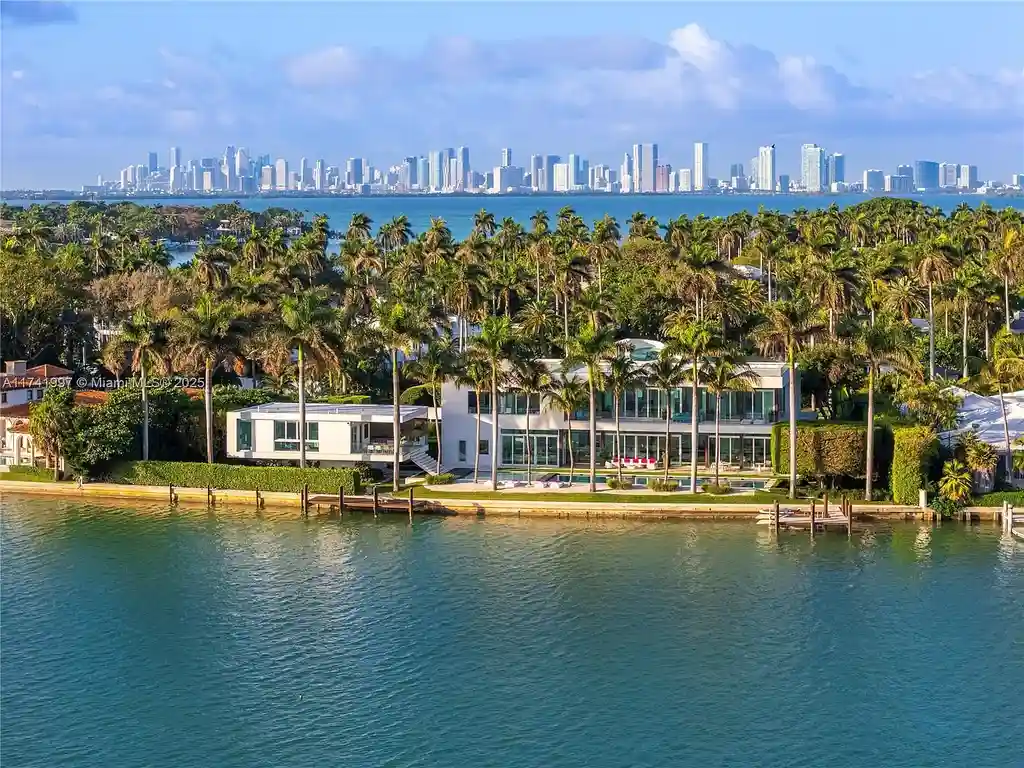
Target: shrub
point(830, 449)
point(237, 476)
point(956, 482)
point(368, 474)
point(28, 474)
point(914, 448)
point(445, 478)
point(996, 499)
point(946, 508)
point(345, 399)
point(717, 488)
point(616, 485)
point(662, 485)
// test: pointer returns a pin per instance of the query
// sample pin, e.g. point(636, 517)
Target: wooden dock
point(1012, 523)
point(816, 520)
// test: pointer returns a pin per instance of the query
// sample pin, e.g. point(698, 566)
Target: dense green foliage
point(27, 474)
point(829, 450)
point(914, 448)
point(267, 296)
point(187, 474)
point(445, 478)
point(996, 499)
point(662, 485)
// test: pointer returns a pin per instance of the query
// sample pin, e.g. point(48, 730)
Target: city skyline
point(643, 169)
point(355, 84)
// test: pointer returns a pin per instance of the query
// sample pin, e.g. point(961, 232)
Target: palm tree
point(532, 379)
point(402, 327)
point(725, 372)
point(696, 341)
point(492, 348)
point(666, 373)
point(476, 375)
point(145, 338)
point(309, 325)
point(885, 343)
point(592, 346)
point(1007, 371)
point(1007, 263)
point(566, 395)
point(934, 265)
point(433, 369)
point(623, 375)
point(208, 334)
point(789, 325)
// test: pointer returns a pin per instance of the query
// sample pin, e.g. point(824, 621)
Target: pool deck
point(461, 503)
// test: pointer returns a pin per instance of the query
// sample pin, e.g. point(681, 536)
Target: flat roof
point(367, 412)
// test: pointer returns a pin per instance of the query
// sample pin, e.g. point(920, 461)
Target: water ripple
point(158, 637)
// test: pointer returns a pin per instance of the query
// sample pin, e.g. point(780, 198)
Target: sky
point(87, 88)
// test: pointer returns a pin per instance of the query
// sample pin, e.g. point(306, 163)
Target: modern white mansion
point(364, 432)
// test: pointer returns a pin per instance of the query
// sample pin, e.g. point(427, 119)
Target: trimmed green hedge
point(445, 478)
point(914, 448)
point(28, 474)
point(188, 474)
point(996, 499)
point(830, 449)
point(661, 485)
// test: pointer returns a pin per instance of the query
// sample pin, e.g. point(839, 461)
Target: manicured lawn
point(28, 474)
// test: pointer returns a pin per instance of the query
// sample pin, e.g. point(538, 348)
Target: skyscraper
point(175, 158)
point(304, 177)
point(968, 177)
point(547, 173)
point(536, 169)
point(645, 165)
point(926, 174)
point(463, 168)
point(874, 180)
point(736, 169)
point(837, 168)
point(153, 163)
point(281, 173)
point(320, 176)
point(700, 166)
point(766, 169)
point(435, 176)
point(423, 172)
point(906, 170)
point(506, 157)
point(949, 174)
point(354, 172)
point(813, 168)
point(267, 178)
point(685, 180)
point(626, 178)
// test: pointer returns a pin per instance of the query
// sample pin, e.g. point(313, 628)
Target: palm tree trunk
point(476, 448)
point(964, 347)
point(572, 457)
point(145, 413)
point(494, 429)
point(565, 320)
point(593, 434)
point(529, 447)
point(302, 408)
point(208, 405)
point(931, 334)
point(792, 425)
point(668, 437)
point(1006, 429)
point(694, 415)
point(869, 469)
point(618, 440)
point(396, 432)
point(1006, 300)
point(718, 435)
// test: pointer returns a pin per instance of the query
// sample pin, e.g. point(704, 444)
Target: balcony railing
point(386, 445)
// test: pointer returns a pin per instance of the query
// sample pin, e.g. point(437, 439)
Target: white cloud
point(331, 66)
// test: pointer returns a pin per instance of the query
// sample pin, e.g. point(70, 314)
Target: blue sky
point(90, 87)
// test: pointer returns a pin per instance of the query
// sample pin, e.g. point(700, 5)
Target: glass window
point(462, 450)
point(286, 436)
point(485, 448)
point(243, 435)
point(481, 400)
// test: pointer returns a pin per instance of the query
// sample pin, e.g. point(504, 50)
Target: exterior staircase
point(424, 460)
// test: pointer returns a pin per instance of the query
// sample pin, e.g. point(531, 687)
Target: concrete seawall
point(457, 506)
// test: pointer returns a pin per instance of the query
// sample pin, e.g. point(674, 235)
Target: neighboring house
point(335, 434)
point(17, 447)
point(21, 384)
point(984, 416)
point(746, 422)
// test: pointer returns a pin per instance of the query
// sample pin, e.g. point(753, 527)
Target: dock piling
point(341, 500)
point(812, 519)
point(825, 502)
point(375, 502)
point(209, 496)
point(170, 494)
point(410, 502)
point(775, 517)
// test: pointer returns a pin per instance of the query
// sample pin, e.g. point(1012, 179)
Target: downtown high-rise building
point(645, 166)
point(949, 175)
point(320, 176)
point(354, 172)
point(547, 173)
point(281, 173)
point(813, 168)
point(536, 168)
point(926, 175)
point(700, 166)
point(153, 163)
point(506, 157)
point(766, 169)
point(175, 157)
point(463, 169)
point(837, 168)
point(968, 177)
point(906, 171)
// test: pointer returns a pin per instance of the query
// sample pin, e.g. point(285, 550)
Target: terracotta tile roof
point(19, 411)
point(47, 371)
point(21, 428)
point(91, 397)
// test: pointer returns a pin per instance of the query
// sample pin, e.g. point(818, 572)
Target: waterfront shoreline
point(515, 507)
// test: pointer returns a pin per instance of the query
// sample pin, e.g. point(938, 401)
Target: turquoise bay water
point(458, 211)
point(163, 638)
